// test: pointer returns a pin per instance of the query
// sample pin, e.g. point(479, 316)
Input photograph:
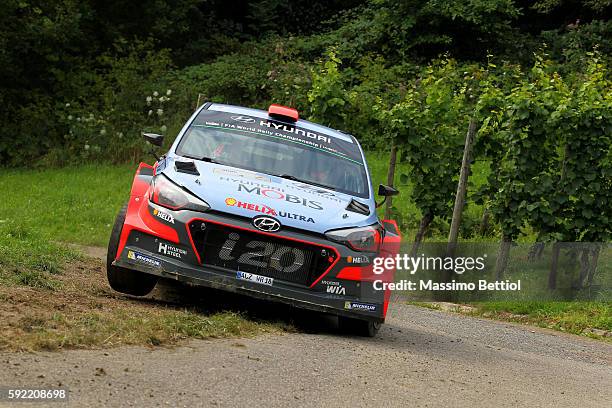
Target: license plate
point(264, 280)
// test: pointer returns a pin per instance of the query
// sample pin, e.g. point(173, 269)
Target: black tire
point(121, 279)
point(365, 328)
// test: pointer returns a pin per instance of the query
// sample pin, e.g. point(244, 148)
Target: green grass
point(40, 209)
point(404, 207)
point(73, 204)
point(599, 313)
point(26, 258)
point(154, 327)
point(582, 318)
point(571, 317)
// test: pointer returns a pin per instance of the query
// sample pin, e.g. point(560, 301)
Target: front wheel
point(359, 327)
point(121, 279)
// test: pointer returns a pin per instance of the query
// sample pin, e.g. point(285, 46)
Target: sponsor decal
point(171, 250)
point(285, 132)
point(291, 186)
point(336, 290)
point(361, 259)
point(137, 256)
point(243, 119)
point(264, 209)
point(242, 174)
point(292, 216)
point(251, 277)
point(313, 190)
point(279, 195)
point(297, 131)
point(368, 307)
point(328, 282)
point(163, 215)
point(334, 287)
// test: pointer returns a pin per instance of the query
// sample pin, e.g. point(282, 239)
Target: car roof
point(304, 124)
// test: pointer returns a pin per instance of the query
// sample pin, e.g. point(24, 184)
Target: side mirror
point(386, 191)
point(154, 138)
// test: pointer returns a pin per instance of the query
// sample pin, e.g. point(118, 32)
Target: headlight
point(169, 195)
point(360, 239)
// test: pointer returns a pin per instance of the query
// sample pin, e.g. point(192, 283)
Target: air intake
point(360, 208)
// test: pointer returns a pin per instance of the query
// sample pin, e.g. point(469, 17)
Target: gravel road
point(421, 358)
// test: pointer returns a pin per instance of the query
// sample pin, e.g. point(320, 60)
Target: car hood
point(249, 194)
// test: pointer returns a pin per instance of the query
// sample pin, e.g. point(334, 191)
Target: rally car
point(262, 203)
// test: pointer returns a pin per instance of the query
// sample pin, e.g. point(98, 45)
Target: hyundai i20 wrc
point(260, 203)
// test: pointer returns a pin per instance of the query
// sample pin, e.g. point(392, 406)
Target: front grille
point(236, 249)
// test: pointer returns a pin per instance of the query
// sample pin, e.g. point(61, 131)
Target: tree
point(427, 126)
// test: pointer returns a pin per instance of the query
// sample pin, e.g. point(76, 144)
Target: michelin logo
point(137, 256)
point(360, 306)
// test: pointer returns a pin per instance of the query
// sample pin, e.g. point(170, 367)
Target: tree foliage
point(428, 126)
point(554, 137)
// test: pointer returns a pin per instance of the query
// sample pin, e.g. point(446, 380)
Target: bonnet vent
point(360, 208)
point(188, 167)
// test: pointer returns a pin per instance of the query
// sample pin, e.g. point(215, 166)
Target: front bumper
point(163, 246)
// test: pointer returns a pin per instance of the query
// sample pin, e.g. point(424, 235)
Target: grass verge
point(86, 313)
point(591, 319)
point(27, 258)
point(72, 204)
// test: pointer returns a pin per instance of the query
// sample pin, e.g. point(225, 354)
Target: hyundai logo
point(243, 119)
point(265, 223)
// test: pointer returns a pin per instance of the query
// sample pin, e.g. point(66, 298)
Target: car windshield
point(277, 149)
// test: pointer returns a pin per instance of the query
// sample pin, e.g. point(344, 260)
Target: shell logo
point(155, 211)
point(230, 201)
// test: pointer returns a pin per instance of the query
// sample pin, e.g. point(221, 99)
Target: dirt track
point(420, 358)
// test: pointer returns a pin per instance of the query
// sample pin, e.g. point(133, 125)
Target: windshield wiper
point(294, 178)
point(204, 159)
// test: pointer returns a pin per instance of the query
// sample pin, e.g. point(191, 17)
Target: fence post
point(390, 179)
point(461, 188)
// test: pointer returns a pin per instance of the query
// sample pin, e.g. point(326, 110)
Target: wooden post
point(502, 257)
point(484, 222)
point(425, 221)
point(461, 188)
point(198, 102)
point(390, 179)
point(594, 260)
point(552, 275)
